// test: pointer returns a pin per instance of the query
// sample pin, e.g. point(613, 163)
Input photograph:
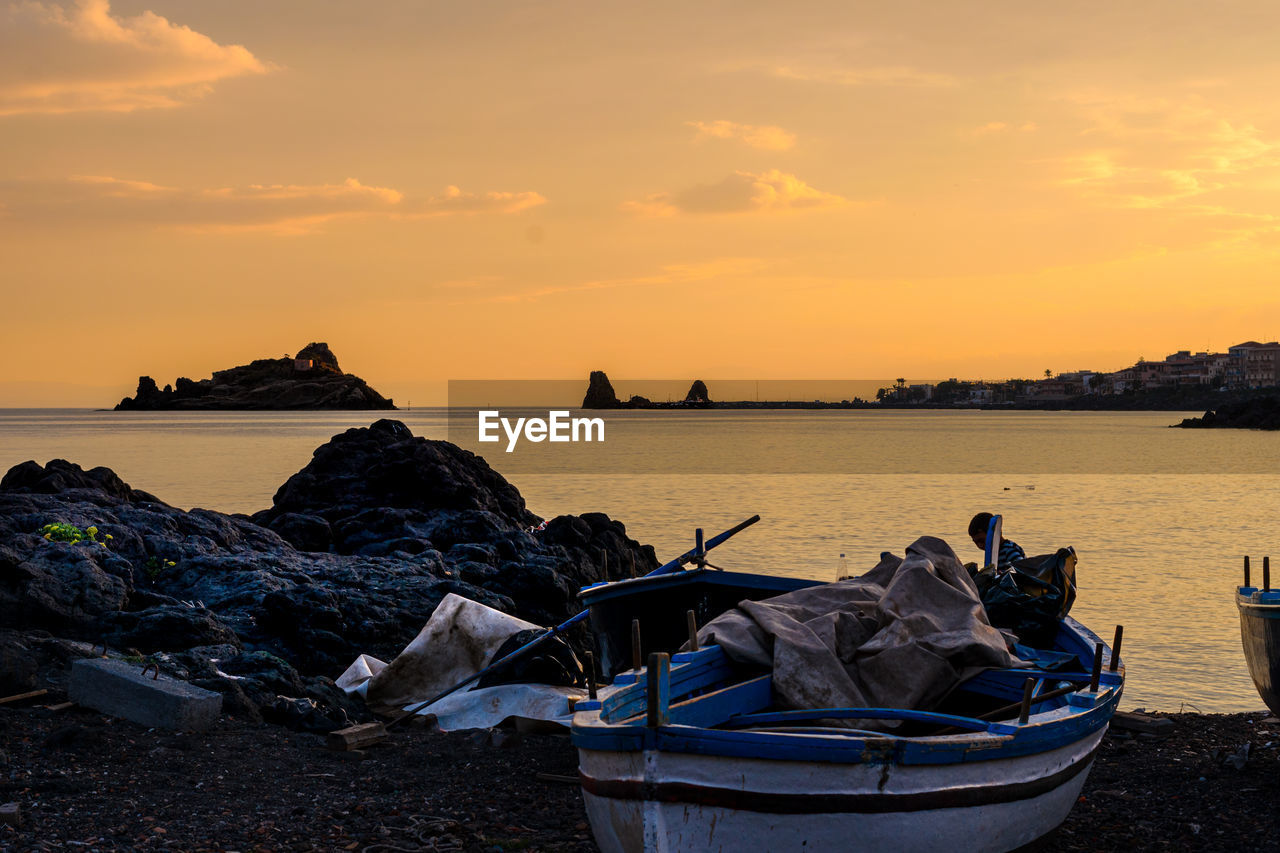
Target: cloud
point(686, 273)
point(998, 127)
point(767, 137)
point(771, 191)
point(455, 200)
point(882, 75)
point(62, 59)
point(471, 282)
point(1155, 153)
point(277, 208)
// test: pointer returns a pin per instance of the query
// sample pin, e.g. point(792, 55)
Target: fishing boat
point(689, 753)
point(1260, 633)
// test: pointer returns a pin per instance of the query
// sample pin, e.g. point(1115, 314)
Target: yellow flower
point(49, 536)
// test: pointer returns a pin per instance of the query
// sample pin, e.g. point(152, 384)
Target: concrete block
point(119, 688)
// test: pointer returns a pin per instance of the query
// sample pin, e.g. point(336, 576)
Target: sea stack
point(600, 393)
point(697, 393)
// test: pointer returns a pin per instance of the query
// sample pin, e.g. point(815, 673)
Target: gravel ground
point(86, 782)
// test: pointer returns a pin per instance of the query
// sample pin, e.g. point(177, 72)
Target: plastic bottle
point(842, 568)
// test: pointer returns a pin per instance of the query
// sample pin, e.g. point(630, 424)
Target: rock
point(393, 523)
point(262, 675)
point(697, 393)
point(304, 532)
point(384, 467)
point(60, 476)
point(168, 628)
point(76, 735)
point(17, 666)
point(1258, 413)
point(310, 380)
point(305, 715)
point(1136, 721)
point(11, 814)
point(600, 394)
point(60, 586)
point(148, 394)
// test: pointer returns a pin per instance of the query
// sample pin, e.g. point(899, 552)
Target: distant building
point(1180, 368)
point(1253, 365)
point(1202, 368)
point(920, 392)
point(303, 363)
point(1065, 385)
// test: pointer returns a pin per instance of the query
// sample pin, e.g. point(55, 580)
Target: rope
point(428, 832)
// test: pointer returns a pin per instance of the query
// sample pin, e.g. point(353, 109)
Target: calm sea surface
point(1160, 541)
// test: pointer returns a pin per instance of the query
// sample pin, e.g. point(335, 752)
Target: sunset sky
point(534, 190)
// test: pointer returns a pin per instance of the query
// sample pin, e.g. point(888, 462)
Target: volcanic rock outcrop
point(600, 393)
point(697, 393)
point(1259, 413)
point(309, 380)
point(354, 555)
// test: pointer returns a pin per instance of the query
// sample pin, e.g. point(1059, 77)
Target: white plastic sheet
point(458, 640)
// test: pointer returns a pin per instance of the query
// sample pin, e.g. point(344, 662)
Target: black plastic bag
point(1031, 597)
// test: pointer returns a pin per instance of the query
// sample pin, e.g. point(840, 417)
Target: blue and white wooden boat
point(692, 756)
point(1260, 634)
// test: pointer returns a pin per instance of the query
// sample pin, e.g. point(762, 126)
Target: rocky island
point(309, 380)
point(352, 557)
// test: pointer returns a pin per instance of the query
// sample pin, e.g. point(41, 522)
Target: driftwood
point(18, 697)
point(356, 737)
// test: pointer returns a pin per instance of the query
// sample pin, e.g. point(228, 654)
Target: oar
point(696, 555)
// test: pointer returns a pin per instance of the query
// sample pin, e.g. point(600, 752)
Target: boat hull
point(662, 802)
point(1260, 639)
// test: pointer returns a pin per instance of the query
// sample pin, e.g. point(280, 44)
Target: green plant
point(155, 565)
point(61, 531)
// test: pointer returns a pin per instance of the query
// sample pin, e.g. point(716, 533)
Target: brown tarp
point(902, 635)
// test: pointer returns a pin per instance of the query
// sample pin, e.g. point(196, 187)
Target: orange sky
point(522, 190)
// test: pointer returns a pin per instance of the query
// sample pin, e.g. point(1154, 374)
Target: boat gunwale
point(1245, 601)
point(1036, 736)
point(1047, 729)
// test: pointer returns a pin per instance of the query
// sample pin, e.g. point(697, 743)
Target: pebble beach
point(87, 782)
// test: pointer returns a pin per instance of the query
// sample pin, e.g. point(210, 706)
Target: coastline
point(1153, 402)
